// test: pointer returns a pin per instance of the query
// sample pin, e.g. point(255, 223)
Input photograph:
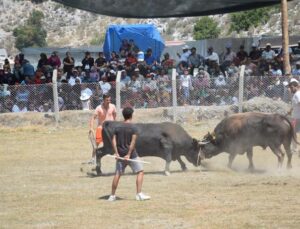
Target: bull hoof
point(289, 166)
point(167, 173)
point(184, 169)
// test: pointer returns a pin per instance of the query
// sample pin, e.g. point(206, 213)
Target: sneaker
point(142, 196)
point(112, 198)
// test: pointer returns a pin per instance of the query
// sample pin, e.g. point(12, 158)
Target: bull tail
point(292, 131)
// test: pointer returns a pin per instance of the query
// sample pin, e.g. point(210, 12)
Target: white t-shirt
point(213, 57)
point(296, 105)
point(105, 87)
point(87, 91)
point(185, 80)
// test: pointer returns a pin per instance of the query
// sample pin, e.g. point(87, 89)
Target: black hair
point(294, 84)
point(127, 113)
point(106, 96)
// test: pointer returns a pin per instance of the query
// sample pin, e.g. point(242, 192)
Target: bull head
point(207, 146)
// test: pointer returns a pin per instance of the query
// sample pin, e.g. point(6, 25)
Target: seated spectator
point(268, 55)
point(85, 102)
point(167, 63)
point(296, 52)
point(125, 79)
point(255, 55)
point(124, 45)
point(133, 46)
point(114, 59)
point(87, 62)
point(149, 87)
point(94, 75)
point(22, 94)
point(74, 76)
point(54, 60)
point(43, 61)
point(212, 57)
point(105, 86)
point(3, 91)
point(275, 70)
point(100, 61)
point(296, 69)
point(130, 59)
point(46, 107)
point(242, 56)
point(150, 59)
point(138, 76)
point(220, 81)
point(6, 65)
point(19, 106)
point(85, 90)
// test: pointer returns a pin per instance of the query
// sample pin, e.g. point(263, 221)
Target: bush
point(244, 20)
point(206, 28)
point(32, 33)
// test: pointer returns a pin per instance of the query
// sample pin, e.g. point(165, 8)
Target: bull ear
point(195, 143)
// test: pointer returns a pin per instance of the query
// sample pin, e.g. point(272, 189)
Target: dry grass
point(41, 186)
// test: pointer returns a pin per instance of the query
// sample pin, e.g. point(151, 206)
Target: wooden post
point(285, 37)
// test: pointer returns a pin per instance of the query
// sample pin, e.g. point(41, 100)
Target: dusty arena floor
point(43, 184)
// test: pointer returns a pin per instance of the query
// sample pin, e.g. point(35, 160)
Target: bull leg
point(231, 158)
point(250, 156)
point(168, 161)
point(182, 164)
point(99, 155)
point(277, 151)
point(287, 147)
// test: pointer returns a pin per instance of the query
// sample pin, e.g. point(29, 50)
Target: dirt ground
point(43, 184)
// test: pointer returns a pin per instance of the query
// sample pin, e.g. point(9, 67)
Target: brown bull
point(238, 134)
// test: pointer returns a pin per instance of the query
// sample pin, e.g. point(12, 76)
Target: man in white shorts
point(123, 142)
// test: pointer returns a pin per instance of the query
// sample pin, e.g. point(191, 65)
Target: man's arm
point(132, 146)
point(114, 145)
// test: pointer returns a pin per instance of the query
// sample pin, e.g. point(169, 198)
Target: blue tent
point(145, 36)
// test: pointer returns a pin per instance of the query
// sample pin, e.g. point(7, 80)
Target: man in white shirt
point(185, 55)
point(295, 110)
point(212, 56)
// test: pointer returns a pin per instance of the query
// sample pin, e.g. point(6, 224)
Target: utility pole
point(285, 37)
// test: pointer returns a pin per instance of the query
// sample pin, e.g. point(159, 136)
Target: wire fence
point(151, 92)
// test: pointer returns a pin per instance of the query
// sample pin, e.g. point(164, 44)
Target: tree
point(32, 33)
point(206, 28)
point(244, 20)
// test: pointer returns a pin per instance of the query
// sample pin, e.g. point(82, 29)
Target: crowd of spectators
point(145, 80)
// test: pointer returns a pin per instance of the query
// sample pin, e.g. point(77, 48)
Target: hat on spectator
point(43, 77)
point(112, 71)
point(293, 80)
point(268, 44)
point(185, 47)
point(136, 70)
point(84, 97)
point(298, 63)
point(254, 44)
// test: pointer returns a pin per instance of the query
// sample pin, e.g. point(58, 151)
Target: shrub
point(206, 28)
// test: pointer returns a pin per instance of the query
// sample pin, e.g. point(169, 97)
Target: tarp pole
point(118, 93)
point(285, 37)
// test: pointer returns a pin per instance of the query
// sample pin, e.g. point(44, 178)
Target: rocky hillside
point(71, 27)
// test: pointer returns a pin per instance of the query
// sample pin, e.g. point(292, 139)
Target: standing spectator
point(195, 60)
point(28, 70)
point(212, 57)
point(228, 58)
point(124, 140)
point(54, 61)
point(19, 106)
point(150, 59)
point(295, 110)
point(268, 55)
point(186, 86)
point(68, 63)
point(85, 102)
point(104, 112)
point(185, 55)
point(87, 62)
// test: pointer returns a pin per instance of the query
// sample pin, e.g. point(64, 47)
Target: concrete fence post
point(174, 95)
point(241, 88)
point(55, 96)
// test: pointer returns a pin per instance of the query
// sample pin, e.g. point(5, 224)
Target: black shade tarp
point(165, 8)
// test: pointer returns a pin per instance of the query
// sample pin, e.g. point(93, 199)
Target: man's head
point(127, 113)
point(106, 100)
point(293, 85)
point(268, 46)
point(193, 50)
